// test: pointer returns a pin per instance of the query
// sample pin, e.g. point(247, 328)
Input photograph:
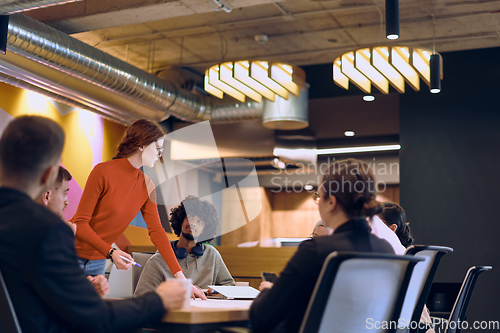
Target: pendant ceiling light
point(254, 80)
point(382, 66)
point(4, 30)
point(392, 19)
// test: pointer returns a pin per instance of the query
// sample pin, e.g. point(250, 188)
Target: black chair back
point(357, 292)
point(8, 318)
point(424, 272)
point(462, 303)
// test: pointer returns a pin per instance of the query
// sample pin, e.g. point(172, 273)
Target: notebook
point(236, 292)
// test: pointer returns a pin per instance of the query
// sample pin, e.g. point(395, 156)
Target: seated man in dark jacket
point(38, 261)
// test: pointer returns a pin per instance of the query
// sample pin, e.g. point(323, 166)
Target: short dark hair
point(29, 144)
point(196, 207)
point(63, 174)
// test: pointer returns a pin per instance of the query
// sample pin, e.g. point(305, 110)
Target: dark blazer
point(286, 302)
point(49, 291)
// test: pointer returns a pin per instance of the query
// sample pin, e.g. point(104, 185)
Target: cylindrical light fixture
point(435, 69)
point(392, 19)
point(4, 31)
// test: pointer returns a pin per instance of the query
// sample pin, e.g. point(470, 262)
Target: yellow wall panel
point(113, 133)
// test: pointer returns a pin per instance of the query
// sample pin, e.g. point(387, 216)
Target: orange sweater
point(114, 193)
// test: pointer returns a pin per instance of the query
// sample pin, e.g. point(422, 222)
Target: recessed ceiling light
point(368, 98)
point(308, 187)
point(348, 150)
point(349, 133)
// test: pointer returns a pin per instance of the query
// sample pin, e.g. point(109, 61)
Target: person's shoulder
point(384, 246)
point(101, 168)
point(209, 249)
point(309, 246)
point(157, 259)
point(39, 219)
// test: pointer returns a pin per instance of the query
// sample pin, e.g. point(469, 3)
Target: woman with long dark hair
point(114, 193)
point(394, 217)
point(346, 199)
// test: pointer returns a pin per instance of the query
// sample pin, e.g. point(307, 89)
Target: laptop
point(235, 292)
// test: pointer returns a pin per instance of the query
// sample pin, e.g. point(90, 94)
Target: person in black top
point(49, 291)
point(346, 198)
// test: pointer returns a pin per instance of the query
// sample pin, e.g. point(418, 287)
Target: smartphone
point(268, 276)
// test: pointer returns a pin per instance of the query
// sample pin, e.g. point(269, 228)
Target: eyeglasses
point(316, 197)
point(159, 149)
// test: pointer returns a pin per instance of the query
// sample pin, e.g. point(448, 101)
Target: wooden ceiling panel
point(300, 32)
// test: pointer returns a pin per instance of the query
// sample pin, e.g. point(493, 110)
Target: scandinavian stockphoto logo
point(191, 166)
point(304, 175)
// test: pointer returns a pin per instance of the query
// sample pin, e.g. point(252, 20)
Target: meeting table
point(211, 314)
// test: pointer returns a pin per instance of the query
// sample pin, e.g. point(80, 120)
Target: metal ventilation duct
point(59, 64)
point(16, 6)
point(24, 85)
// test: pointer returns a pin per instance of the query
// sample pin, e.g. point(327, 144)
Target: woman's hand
point(265, 284)
point(119, 262)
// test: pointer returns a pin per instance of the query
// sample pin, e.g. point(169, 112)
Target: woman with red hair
point(115, 192)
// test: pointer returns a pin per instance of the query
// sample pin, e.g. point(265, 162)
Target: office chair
point(120, 283)
point(8, 318)
point(355, 291)
point(141, 258)
point(420, 283)
point(462, 302)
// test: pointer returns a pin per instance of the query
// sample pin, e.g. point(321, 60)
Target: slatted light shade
point(254, 79)
point(380, 66)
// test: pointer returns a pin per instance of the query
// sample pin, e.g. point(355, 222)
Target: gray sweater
point(209, 269)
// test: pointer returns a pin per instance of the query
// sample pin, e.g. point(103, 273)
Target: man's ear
point(47, 178)
point(46, 197)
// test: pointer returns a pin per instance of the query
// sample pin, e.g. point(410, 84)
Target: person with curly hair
point(195, 222)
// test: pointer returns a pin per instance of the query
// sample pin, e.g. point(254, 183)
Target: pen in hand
point(130, 261)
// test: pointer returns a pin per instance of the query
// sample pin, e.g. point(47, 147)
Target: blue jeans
point(92, 267)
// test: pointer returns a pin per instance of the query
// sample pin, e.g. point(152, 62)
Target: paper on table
point(221, 304)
